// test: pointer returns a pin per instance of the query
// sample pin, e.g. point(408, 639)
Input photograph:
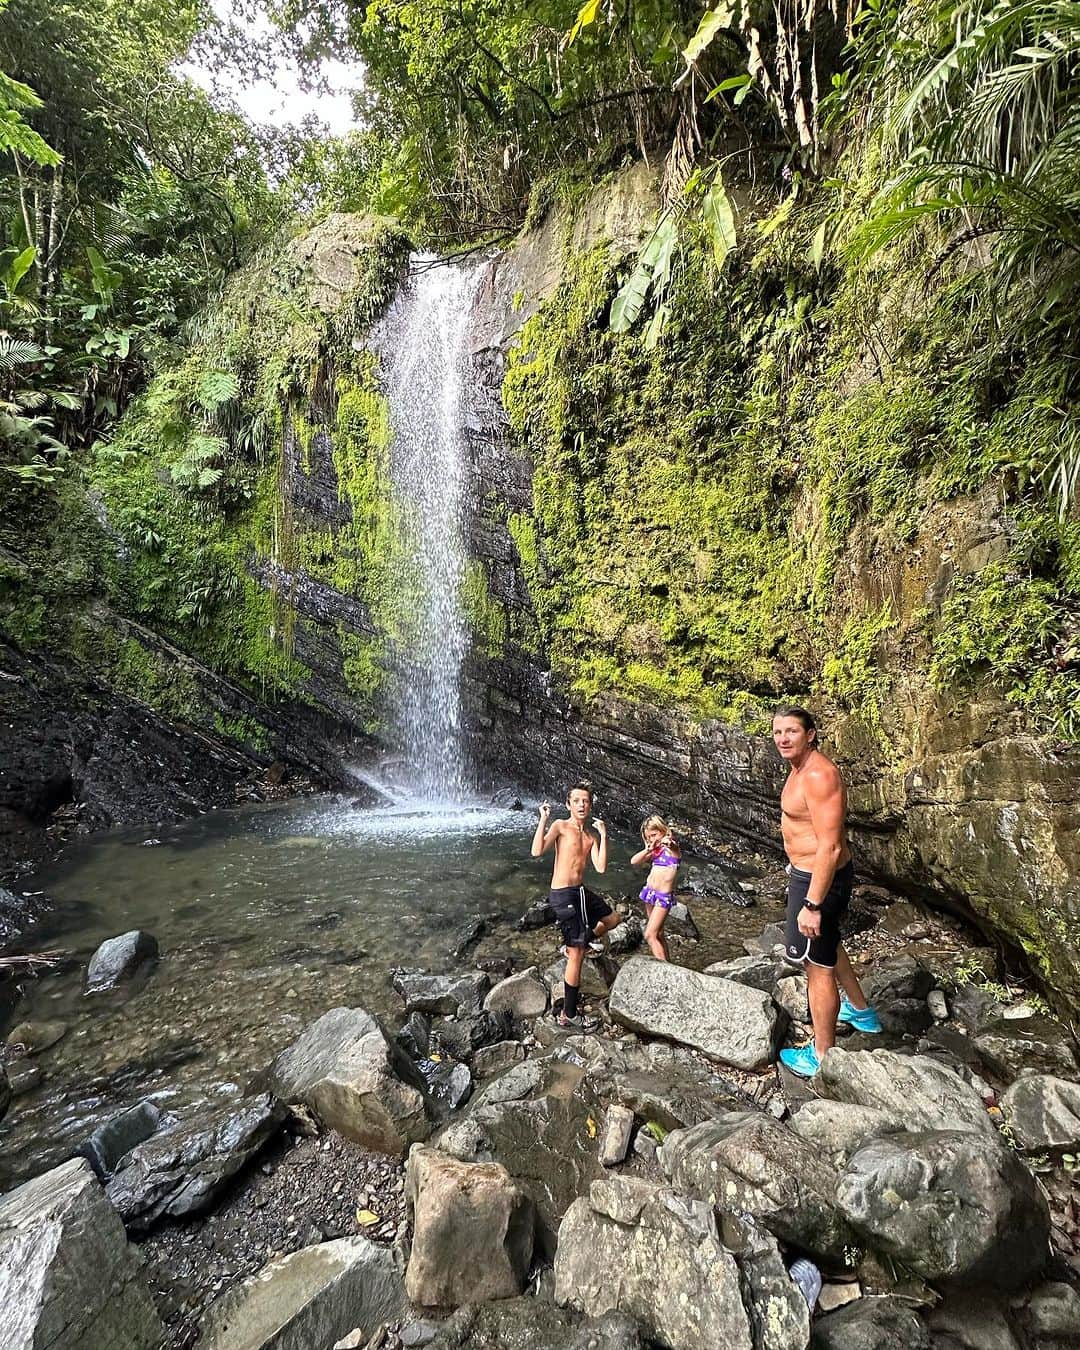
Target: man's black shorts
point(819, 951)
point(578, 911)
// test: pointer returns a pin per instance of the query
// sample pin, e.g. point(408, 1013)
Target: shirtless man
point(813, 807)
point(582, 915)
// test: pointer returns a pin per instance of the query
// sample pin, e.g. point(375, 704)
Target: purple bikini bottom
point(651, 896)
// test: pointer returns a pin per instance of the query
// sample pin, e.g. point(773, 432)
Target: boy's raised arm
point(543, 838)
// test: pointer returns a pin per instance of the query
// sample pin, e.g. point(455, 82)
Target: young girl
point(662, 853)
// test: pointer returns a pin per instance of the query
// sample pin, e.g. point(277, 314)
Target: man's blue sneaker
point(803, 1061)
point(859, 1019)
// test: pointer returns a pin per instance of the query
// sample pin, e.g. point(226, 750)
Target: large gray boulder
point(353, 1076)
point(181, 1170)
point(309, 1299)
point(521, 995)
point(534, 1120)
point(749, 1162)
point(912, 1088)
point(952, 1206)
point(650, 1252)
point(445, 995)
point(872, 1324)
point(779, 1315)
point(472, 1231)
point(1043, 1112)
point(840, 1129)
point(731, 1023)
point(120, 958)
point(68, 1277)
point(529, 1323)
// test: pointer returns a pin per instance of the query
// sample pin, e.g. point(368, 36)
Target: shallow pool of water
point(266, 917)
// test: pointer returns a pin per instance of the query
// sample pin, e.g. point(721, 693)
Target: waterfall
point(423, 342)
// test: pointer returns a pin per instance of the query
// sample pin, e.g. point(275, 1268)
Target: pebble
point(935, 1001)
point(836, 1295)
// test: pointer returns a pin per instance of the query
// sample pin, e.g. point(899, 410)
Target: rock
point(521, 995)
point(448, 1081)
point(347, 1071)
point(779, 1314)
point(534, 1119)
point(971, 1321)
point(611, 1245)
point(463, 1036)
point(615, 1140)
point(417, 1333)
point(680, 923)
point(750, 1162)
point(22, 1077)
point(1051, 1316)
point(469, 934)
point(731, 1023)
point(441, 995)
point(472, 1231)
point(871, 1324)
point(1011, 1047)
point(31, 1038)
point(1043, 1112)
point(901, 915)
point(939, 1008)
point(771, 937)
point(758, 972)
point(18, 913)
point(974, 1008)
point(492, 1059)
point(791, 995)
point(118, 1136)
point(839, 1129)
point(414, 1035)
point(180, 1171)
point(951, 1206)
point(898, 978)
point(838, 1295)
point(308, 1299)
point(538, 915)
point(534, 1324)
point(597, 976)
point(911, 1088)
point(629, 935)
point(5, 1091)
point(120, 958)
point(68, 1277)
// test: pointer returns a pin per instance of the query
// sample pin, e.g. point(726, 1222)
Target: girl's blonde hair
point(653, 823)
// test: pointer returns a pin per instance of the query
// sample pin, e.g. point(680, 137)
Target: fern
point(216, 388)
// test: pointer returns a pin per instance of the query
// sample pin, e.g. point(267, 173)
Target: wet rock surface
point(120, 958)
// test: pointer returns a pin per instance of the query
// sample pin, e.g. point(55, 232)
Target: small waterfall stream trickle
point(423, 344)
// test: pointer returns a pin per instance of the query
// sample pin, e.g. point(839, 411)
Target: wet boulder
point(871, 1324)
point(120, 958)
point(312, 1297)
point(538, 915)
point(951, 1206)
point(521, 995)
point(33, 1038)
point(118, 1136)
point(492, 1059)
point(67, 1274)
point(749, 1162)
point(1043, 1112)
point(356, 1080)
point(181, 1170)
point(731, 1023)
point(1011, 1047)
point(472, 1231)
point(614, 1242)
point(463, 1036)
point(913, 1088)
point(448, 1081)
point(414, 1035)
point(440, 995)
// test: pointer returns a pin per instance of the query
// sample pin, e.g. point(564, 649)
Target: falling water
point(424, 346)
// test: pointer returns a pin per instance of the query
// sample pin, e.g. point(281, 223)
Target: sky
point(279, 99)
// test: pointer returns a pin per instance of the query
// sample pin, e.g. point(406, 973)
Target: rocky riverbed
point(656, 1184)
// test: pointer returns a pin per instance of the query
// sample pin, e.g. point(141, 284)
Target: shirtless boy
point(813, 807)
point(582, 915)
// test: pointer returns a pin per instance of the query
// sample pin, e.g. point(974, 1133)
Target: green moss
point(856, 673)
point(246, 731)
point(486, 617)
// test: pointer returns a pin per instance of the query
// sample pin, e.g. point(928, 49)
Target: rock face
point(953, 1207)
point(911, 1088)
point(311, 1298)
point(119, 958)
point(751, 1163)
point(180, 1171)
point(1043, 1112)
point(731, 1023)
point(472, 1231)
point(351, 1074)
point(67, 1275)
point(881, 1323)
point(650, 1252)
point(532, 1324)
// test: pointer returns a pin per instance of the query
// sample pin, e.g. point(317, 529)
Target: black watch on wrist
point(814, 909)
